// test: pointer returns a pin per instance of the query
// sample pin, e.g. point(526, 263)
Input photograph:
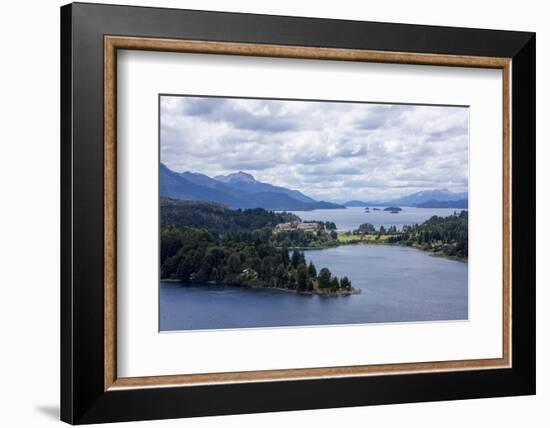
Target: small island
point(393, 210)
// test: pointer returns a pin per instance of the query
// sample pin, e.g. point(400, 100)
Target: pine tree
point(281, 276)
point(345, 283)
point(311, 270)
point(234, 263)
point(301, 277)
point(297, 259)
point(324, 278)
point(284, 255)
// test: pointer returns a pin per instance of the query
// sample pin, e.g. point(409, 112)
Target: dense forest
point(446, 235)
point(245, 225)
point(204, 242)
point(442, 235)
point(218, 218)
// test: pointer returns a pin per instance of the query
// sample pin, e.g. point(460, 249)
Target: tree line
point(218, 218)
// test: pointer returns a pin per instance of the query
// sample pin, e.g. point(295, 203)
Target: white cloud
point(328, 150)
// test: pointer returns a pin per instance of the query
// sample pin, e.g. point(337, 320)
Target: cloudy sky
point(328, 150)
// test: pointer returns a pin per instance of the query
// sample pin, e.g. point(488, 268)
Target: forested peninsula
point(442, 236)
point(204, 242)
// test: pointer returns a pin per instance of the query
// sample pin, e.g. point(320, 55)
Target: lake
point(352, 217)
point(398, 284)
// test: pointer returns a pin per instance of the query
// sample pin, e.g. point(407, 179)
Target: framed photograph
point(266, 213)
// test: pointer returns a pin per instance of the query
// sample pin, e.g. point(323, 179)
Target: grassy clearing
point(362, 239)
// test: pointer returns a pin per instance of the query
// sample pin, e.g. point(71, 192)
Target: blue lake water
point(352, 217)
point(398, 284)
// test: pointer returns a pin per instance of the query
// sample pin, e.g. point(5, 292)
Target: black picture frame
point(83, 398)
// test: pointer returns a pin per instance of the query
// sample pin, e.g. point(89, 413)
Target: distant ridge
point(429, 195)
point(461, 203)
point(238, 190)
point(425, 199)
point(356, 203)
point(244, 182)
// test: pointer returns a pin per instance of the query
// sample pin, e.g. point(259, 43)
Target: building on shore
point(298, 225)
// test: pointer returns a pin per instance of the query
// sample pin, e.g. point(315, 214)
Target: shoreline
point(338, 293)
point(376, 242)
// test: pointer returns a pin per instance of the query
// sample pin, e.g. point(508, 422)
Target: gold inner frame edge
point(113, 43)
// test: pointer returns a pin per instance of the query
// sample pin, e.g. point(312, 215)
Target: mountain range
point(237, 190)
point(460, 203)
point(438, 198)
point(242, 190)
